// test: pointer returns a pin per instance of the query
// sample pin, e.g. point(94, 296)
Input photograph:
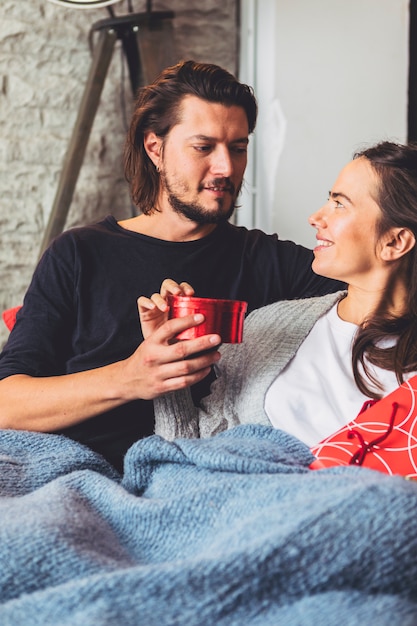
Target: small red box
point(223, 317)
point(382, 437)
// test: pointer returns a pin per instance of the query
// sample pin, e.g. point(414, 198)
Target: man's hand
point(153, 311)
point(162, 364)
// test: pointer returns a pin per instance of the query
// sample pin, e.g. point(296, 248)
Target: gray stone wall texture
point(45, 58)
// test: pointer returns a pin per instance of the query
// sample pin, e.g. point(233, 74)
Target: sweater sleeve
point(272, 336)
point(177, 416)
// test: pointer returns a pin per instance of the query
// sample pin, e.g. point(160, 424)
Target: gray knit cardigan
point(272, 336)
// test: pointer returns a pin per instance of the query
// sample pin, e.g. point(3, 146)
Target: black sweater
point(80, 310)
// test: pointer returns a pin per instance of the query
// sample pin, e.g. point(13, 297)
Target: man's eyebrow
point(339, 194)
point(244, 140)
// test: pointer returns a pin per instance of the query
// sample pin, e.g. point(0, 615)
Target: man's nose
point(222, 164)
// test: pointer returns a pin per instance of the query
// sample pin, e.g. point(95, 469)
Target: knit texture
point(271, 338)
point(232, 530)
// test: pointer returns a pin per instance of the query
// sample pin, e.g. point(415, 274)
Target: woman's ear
point(153, 146)
point(397, 242)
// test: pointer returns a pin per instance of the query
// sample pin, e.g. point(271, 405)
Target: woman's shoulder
point(315, 305)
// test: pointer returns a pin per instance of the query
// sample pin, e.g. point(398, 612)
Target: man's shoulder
point(104, 226)
point(77, 234)
point(257, 242)
point(242, 232)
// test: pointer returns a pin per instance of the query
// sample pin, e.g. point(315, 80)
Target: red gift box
point(382, 437)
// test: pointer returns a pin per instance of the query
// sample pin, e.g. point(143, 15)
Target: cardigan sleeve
point(245, 371)
point(176, 416)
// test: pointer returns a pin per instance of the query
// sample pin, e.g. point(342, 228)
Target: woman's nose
point(317, 218)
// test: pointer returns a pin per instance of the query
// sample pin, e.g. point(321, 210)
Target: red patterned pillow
point(381, 437)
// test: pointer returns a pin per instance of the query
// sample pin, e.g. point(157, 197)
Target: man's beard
point(196, 212)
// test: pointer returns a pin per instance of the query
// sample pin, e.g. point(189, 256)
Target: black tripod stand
point(147, 40)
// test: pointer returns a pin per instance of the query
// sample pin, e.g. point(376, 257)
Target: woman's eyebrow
point(338, 194)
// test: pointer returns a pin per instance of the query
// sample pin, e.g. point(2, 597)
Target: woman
point(307, 366)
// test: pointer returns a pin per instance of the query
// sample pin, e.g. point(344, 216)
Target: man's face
point(203, 161)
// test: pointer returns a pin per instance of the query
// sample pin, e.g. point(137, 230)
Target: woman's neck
point(360, 305)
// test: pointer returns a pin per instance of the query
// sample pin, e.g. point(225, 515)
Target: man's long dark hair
point(396, 168)
point(157, 110)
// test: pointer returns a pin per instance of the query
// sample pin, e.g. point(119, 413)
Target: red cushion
point(9, 316)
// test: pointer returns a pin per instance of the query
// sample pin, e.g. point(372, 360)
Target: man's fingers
point(159, 301)
point(191, 349)
point(181, 381)
point(186, 289)
point(182, 373)
point(173, 327)
point(171, 288)
point(145, 305)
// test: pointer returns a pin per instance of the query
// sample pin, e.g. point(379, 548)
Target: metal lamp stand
point(147, 40)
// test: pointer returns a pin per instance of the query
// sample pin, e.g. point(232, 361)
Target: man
point(76, 362)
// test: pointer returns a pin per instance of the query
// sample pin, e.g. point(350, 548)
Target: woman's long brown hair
point(396, 168)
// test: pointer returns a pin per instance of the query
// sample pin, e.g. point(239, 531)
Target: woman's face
point(347, 245)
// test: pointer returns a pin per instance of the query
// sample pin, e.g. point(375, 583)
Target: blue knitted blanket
point(229, 531)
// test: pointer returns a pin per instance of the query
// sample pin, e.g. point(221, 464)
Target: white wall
point(331, 76)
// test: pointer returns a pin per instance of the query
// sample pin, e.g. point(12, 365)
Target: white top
point(316, 394)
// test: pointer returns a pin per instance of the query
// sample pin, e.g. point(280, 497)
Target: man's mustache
point(219, 183)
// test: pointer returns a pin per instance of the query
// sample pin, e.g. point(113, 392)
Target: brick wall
point(44, 63)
